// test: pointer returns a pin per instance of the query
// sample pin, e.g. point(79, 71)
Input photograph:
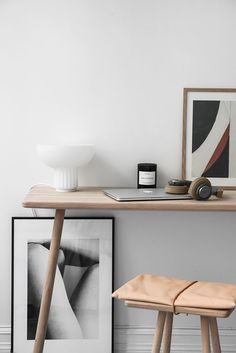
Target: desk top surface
point(93, 198)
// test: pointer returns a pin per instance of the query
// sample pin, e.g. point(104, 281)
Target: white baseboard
point(5, 338)
point(137, 339)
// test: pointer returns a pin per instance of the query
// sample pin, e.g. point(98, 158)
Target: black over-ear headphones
point(199, 189)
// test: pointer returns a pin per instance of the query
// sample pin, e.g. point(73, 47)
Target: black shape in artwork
point(204, 116)
point(220, 169)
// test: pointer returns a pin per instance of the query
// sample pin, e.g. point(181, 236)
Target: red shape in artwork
point(219, 149)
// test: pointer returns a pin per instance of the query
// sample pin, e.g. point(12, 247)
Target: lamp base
point(66, 179)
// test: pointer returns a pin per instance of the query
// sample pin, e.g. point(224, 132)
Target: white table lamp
point(65, 160)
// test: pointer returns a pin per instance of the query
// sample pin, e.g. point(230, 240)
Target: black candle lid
point(149, 167)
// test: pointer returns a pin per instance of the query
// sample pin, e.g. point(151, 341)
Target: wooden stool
point(153, 290)
point(165, 319)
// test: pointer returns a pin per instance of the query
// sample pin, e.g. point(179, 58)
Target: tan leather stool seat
point(177, 292)
point(172, 295)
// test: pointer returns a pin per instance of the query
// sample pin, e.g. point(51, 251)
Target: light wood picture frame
point(81, 314)
point(209, 135)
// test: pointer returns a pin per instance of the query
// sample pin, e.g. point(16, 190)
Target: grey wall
point(81, 71)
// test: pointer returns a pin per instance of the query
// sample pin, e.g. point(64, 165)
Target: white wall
point(111, 73)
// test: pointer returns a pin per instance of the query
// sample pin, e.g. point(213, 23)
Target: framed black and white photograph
point(209, 135)
point(80, 318)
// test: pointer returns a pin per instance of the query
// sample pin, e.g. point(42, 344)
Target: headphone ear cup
point(175, 189)
point(193, 190)
point(217, 191)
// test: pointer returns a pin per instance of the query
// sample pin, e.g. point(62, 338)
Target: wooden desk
point(93, 198)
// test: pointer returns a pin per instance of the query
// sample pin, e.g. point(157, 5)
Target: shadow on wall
point(103, 172)
point(100, 172)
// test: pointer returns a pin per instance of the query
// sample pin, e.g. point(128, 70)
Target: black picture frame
point(95, 231)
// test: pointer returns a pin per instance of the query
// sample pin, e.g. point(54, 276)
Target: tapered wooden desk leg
point(215, 335)
point(49, 282)
point(167, 333)
point(156, 346)
point(206, 348)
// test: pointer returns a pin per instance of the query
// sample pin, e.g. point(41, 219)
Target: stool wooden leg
point(206, 348)
point(167, 333)
point(214, 335)
point(156, 346)
point(49, 282)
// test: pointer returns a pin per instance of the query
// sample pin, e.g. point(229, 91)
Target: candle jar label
point(147, 178)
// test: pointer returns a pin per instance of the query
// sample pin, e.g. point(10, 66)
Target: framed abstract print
point(209, 135)
point(80, 318)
